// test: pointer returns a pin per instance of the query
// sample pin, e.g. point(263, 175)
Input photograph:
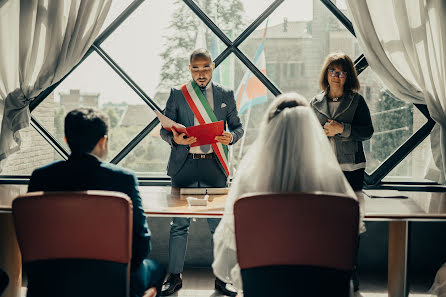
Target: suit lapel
point(321, 105)
point(344, 105)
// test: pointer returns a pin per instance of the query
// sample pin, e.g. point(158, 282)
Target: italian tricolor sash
point(205, 115)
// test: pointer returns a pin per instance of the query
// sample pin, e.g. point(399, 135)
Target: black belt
point(200, 156)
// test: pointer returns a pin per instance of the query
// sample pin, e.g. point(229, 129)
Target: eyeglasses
point(201, 69)
point(340, 74)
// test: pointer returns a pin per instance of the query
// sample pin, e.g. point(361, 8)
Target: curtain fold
point(40, 42)
point(404, 43)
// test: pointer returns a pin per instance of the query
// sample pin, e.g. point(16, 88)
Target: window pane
point(116, 8)
point(233, 16)
point(252, 100)
point(394, 122)
point(302, 33)
point(51, 115)
point(154, 44)
point(416, 166)
point(150, 156)
point(35, 150)
point(95, 84)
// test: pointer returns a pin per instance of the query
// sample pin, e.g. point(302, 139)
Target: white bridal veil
point(291, 154)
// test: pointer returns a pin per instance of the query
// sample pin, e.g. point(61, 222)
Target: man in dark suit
point(198, 101)
point(86, 133)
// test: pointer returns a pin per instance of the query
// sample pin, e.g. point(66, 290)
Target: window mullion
point(49, 138)
point(245, 34)
point(275, 90)
point(118, 21)
point(339, 15)
point(135, 141)
point(203, 16)
point(402, 152)
point(126, 78)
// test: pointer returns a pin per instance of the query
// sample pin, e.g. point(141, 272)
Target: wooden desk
point(166, 202)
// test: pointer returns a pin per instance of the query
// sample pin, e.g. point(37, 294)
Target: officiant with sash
point(198, 102)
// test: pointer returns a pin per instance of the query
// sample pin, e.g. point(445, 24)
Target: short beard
point(204, 85)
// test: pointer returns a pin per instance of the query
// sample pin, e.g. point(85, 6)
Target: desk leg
point(10, 258)
point(397, 269)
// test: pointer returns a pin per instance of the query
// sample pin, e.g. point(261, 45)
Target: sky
point(137, 43)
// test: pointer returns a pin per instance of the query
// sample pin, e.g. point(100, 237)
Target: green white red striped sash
point(205, 115)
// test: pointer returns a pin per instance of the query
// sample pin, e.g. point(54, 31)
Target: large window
point(261, 48)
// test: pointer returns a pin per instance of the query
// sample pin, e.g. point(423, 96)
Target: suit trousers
point(149, 274)
point(199, 173)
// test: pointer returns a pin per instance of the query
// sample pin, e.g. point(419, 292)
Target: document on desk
point(204, 191)
point(205, 134)
point(385, 194)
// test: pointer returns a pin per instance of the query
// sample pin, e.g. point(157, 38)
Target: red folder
point(205, 134)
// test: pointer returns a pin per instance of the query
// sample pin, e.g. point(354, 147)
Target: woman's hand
point(331, 128)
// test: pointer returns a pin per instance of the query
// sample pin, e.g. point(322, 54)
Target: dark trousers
point(355, 178)
point(200, 173)
point(149, 274)
point(195, 173)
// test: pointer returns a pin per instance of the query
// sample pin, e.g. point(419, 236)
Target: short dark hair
point(342, 60)
point(84, 127)
point(200, 53)
point(286, 100)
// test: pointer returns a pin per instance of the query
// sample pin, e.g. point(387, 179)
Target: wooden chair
point(75, 243)
point(296, 244)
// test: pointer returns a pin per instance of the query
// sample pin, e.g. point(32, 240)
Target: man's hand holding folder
point(195, 135)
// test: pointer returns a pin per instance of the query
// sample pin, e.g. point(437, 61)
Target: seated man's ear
point(103, 141)
point(101, 148)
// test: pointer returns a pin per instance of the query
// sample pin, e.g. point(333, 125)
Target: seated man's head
point(86, 131)
point(201, 66)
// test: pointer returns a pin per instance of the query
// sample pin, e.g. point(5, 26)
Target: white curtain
point(40, 42)
point(404, 42)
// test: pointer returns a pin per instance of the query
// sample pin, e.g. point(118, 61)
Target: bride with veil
point(291, 154)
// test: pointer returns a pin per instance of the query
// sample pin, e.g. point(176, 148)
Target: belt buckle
point(203, 156)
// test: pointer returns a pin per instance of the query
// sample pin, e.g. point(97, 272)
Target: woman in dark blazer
point(345, 117)
point(344, 114)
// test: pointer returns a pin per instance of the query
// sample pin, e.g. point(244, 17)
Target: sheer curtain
point(40, 42)
point(405, 45)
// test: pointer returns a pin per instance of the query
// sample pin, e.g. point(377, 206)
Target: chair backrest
point(75, 242)
point(304, 230)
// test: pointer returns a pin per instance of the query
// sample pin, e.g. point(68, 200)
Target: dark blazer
point(355, 115)
point(178, 110)
point(83, 172)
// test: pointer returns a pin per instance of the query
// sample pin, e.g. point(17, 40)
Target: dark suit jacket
point(178, 110)
point(83, 172)
point(354, 114)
